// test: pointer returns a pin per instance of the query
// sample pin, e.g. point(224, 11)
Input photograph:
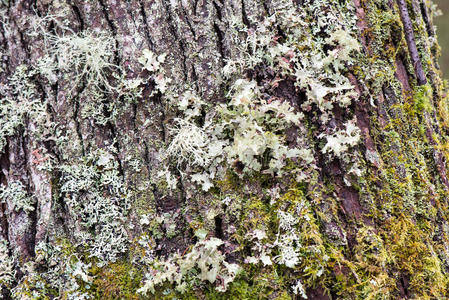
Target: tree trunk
point(235, 149)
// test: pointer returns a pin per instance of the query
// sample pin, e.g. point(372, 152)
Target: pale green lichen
point(244, 130)
point(17, 197)
point(95, 193)
point(204, 263)
point(338, 143)
point(7, 271)
point(285, 241)
point(86, 55)
point(66, 274)
point(21, 102)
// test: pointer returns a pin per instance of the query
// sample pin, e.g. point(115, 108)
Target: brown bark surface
point(91, 97)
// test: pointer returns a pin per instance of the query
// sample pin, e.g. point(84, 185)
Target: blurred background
point(442, 23)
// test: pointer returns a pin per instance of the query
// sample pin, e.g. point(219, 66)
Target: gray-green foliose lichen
point(249, 161)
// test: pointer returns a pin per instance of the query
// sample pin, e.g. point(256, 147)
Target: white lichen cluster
point(203, 263)
point(95, 194)
point(339, 143)
point(20, 101)
point(7, 272)
point(320, 44)
point(246, 130)
point(287, 243)
point(287, 246)
point(248, 133)
point(87, 63)
point(153, 64)
point(245, 134)
point(16, 197)
point(82, 56)
point(290, 245)
point(255, 126)
point(65, 271)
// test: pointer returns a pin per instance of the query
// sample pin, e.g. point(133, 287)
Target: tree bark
point(222, 149)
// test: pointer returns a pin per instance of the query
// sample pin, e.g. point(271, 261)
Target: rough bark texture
point(235, 149)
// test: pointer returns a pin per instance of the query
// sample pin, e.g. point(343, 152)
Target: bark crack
point(30, 236)
point(158, 98)
point(116, 144)
point(146, 29)
point(195, 78)
point(220, 44)
point(22, 39)
point(188, 23)
point(265, 7)
point(181, 44)
point(245, 16)
point(78, 15)
point(76, 108)
point(195, 7)
point(113, 29)
point(218, 10)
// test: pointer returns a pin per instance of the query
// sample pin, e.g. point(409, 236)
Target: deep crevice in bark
point(218, 227)
point(426, 18)
point(195, 7)
point(158, 99)
point(116, 145)
point(77, 116)
point(189, 24)
point(143, 15)
point(30, 234)
point(181, 44)
point(113, 29)
point(78, 15)
point(410, 38)
point(220, 45)
point(265, 7)
point(244, 15)
point(218, 10)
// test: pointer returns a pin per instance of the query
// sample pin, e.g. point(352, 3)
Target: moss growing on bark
point(302, 161)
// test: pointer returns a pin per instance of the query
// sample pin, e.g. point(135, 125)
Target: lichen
point(203, 263)
point(309, 163)
point(16, 196)
point(7, 272)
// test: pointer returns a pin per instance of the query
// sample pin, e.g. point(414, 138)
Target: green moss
point(394, 241)
point(422, 98)
point(414, 256)
point(256, 284)
point(119, 280)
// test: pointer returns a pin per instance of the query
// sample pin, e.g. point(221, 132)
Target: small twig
point(409, 37)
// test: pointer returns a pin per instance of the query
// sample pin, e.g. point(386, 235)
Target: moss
point(414, 256)
point(395, 240)
point(422, 98)
point(443, 108)
point(119, 280)
point(255, 284)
